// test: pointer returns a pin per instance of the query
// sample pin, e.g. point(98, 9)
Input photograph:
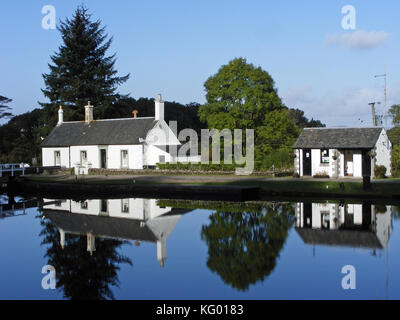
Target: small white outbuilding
point(341, 152)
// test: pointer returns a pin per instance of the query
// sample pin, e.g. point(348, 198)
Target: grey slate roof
point(346, 238)
point(346, 138)
point(104, 227)
point(99, 132)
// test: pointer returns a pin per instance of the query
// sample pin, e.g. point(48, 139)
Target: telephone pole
point(372, 104)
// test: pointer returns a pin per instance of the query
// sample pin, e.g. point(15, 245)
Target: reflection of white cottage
point(354, 225)
point(124, 219)
point(340, 152)
point(131, 143)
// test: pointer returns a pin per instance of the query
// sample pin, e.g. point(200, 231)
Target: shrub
point(380, 172)
point(280, 159)
point(198, 166)
point(321, 175)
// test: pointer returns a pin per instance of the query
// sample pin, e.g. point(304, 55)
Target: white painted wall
point(357, 163)
point(139, 209)
point(139, 155)
point(383, 150)
point(335, 212)
point(161, 135)
point(93, 155)
point(356, 211)
point(316, 166)
point(135, 156)
point(384, 225)
point(48, 158)
point(152, 155)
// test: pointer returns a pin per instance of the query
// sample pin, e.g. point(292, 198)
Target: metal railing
point(12, 168)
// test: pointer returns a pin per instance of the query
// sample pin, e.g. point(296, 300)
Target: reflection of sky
point(298, 274)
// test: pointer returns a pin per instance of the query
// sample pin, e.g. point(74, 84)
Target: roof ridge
point(81, 121)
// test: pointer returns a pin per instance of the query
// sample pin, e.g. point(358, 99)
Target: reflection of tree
point(243, 247)
point(80, 275)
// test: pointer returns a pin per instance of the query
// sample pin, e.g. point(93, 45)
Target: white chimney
point(161, 251)
point(88, 113)
point(60, 116)
point(159, 108)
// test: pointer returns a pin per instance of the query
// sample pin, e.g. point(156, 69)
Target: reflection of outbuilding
point(354, 225)
point(123, 219)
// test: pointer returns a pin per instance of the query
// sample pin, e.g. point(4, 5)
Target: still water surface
point(163, 249)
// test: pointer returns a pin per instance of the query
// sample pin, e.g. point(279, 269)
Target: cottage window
point(162, 159)
point(325, 219)
point(57, 158)
point(124, 158)
point(103, 205)
point(84, 205)
point(83, 157)
point(324, 155)
point(125, 205)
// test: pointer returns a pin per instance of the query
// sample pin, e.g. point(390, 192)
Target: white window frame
point(83, 161)
point(84, 205)
point(125, 206)
point(127, 159)
point(55, 157)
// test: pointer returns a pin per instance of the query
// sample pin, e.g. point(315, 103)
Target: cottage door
point(366, 215)
point(306, 162)
point(307, 215)
point(103, 158)
point(366, 163)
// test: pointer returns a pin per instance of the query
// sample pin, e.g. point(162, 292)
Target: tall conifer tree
point(4, 109)
point(81, 71)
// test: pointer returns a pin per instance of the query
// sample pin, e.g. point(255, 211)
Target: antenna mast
point(384, 90)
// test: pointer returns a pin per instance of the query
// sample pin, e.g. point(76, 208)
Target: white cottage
point(129, 143)
point(341, 152)
point(140, 220)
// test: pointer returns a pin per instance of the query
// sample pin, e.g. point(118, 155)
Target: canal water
point(177, 249)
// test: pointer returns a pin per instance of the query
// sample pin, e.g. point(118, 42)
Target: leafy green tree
point(242, 96)
point(394, 135)
point(396, 160)
point(4, 113)
point(81, 71)
point(394, 113)
point(243, 247)
point(239, 96)
point(278, 131)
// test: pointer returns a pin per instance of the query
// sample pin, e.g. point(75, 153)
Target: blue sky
point(172, 47)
